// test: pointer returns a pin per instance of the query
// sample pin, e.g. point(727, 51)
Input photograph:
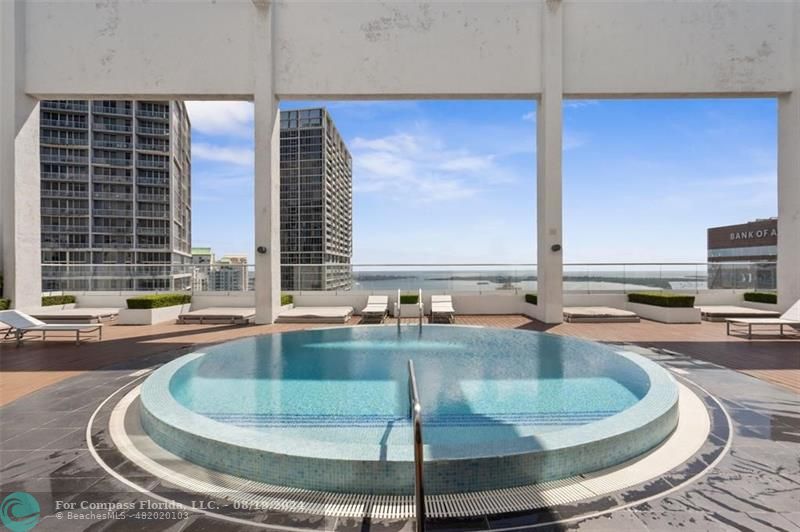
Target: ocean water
point(474, 383)
point(524, 280)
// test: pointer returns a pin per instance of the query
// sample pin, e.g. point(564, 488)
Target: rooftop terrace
point(37, 365)
point(50, 392)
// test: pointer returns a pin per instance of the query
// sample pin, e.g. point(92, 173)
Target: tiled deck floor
point(37, 364)
point(755, 487)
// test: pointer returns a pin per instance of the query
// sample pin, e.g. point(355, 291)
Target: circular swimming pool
point(328, 409)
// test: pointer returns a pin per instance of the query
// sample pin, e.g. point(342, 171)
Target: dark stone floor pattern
point(756, 486)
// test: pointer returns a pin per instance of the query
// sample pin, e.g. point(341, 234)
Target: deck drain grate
point(262, 496)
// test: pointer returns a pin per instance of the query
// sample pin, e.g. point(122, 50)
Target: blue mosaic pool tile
point(353, 468)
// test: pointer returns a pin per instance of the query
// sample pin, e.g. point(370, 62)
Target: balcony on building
point(79, 106)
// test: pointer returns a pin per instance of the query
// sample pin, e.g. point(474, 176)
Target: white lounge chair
point(377, 309)
point(442, 309)
point(219, 315)
point(599, 315)
point(790, 318)
point(723, 312)
point(74, 315)
point(22, 324)
point(316, 315)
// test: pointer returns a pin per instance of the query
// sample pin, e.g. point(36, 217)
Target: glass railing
point(59, 176)
point(144, 213)
point(65, 193)
point(66, 105)
point(65, 211)
point(122, 196)
point(153, 147)
point(71, 124)
point(112, 161)
point(146, 130)
point(157, 164)
point(156, 181)
point(151, 113)
point(63, 244)
point(122, 213)
point(153, 198)
point(113, 229)
point(118, 144)
point(100, 178)
point(153, 231)
point(64, 141)
point(111, 109)
point(487, 279)
point(110, 126)
point(63, 158)
point(65, 228)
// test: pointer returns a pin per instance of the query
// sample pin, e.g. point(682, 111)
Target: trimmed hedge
point(533, 299)
point(5, 304)
point(409, 299)
point(662, 299)
point(762, 297)
point(287, 299)
point(158, 301)
point(48, 301)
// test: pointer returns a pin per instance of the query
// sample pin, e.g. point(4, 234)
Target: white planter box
point(151, 316)
point(666, 314)
point(408, 311)
point(529, 309)
point(68, 306)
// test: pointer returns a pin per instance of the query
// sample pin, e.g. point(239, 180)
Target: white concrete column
point(548, 157)
point(267, 172)
point(19, 168)
point(789, 182)
point(788, 199)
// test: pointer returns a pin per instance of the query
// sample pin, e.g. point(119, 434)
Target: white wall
point(201, 300)
point(662, 48)
point(407, 48)
point(402, 48)
point(137, 48)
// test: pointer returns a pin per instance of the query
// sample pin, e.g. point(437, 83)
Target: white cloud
point(400, 143)
point(577, 104)
point(223, 154)
point(572, 140)
point(421, 167)
point(222, 182)
point(467, 164)
point(531, 117)
point(222, 117)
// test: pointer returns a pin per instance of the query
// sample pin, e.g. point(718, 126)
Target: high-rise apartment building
point(316, 203)
point(230, 274)
point(115, 192)
point(202, 261)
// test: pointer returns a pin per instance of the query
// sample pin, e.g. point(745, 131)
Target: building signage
point(753, 234)
point(759, 233)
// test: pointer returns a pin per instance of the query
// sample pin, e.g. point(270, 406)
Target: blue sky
point(455, 181)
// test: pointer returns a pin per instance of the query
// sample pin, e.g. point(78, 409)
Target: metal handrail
point(421, 309)
point(397, 311)
point(415, 412)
